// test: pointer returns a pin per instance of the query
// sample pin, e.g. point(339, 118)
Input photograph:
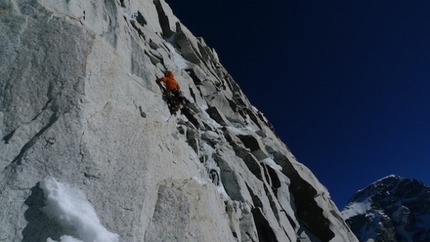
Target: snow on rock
point(64, 238)
point(271, 163)
point(356, 208)
point(71, 208)
point(81, 104)
point(178, 60)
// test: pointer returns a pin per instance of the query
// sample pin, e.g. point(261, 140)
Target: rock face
point(391, 209)
point(79, 103)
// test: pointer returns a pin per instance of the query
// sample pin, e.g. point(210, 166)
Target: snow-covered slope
point(391, 209)
point(90, 152)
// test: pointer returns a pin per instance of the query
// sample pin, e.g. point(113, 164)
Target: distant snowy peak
point(392, 186)
point(393, 208)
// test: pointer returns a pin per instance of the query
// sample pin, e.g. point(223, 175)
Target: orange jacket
point(171, 83)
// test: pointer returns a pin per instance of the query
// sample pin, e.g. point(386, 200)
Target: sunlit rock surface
point(79, 103)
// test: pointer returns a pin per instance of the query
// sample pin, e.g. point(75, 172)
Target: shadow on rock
point(39, 227)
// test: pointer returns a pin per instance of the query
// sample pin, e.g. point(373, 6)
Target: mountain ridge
point(393, 208)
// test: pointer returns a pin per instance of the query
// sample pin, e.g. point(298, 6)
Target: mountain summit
point(393, 208)
point(90, 152)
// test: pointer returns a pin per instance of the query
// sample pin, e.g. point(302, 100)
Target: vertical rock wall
point(79, 103)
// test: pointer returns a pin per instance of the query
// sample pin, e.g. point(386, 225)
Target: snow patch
point(179, 61)
point(356, 208)
point(221, 190)
point(199, 180)
point(65, 238)
point(203, 106)
point(249, 128)
point(247, 119)
point(210, 121)
point(236, 131)
point(71, 208)
point(268, 161)
point(211, 135)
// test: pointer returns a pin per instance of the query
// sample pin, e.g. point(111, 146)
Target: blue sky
point(345, 84)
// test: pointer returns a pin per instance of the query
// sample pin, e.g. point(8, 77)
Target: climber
point(173, 93)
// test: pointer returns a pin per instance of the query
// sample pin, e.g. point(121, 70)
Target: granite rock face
point(393, 209)
point(79, 103)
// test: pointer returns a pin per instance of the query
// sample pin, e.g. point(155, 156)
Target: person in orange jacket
point(173, 89)
point(171, 83)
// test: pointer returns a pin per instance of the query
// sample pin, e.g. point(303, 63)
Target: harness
point(172, 98)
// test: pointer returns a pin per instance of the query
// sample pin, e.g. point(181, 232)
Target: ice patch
point(71, 208)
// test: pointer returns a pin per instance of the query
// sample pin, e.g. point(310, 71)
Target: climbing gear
point(173, 98)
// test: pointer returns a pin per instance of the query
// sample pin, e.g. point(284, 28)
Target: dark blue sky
point(345, 84)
